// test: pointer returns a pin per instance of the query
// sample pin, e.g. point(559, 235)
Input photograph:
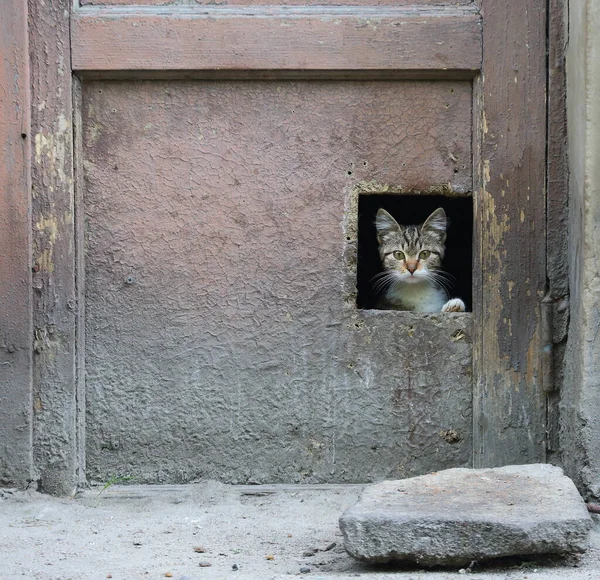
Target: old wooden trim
point(268, 2)
point(79, 187)
point(15, 244)
point(184, 39)
point(478, 278)
point(557, 206)
point(509, 402)
point(55, 303)
point(558, 169)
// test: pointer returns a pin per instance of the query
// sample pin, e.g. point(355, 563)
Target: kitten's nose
point(411, 268)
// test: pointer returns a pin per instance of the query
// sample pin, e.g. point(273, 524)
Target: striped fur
point(411, 256)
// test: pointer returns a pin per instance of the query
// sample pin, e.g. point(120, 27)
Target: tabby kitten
point(412, 259)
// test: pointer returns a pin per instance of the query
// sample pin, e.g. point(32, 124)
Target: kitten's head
point(412, 253)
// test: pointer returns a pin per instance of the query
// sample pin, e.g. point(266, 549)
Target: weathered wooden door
point(200, 173)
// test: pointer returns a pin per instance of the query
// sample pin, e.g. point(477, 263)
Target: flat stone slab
point(453, 517)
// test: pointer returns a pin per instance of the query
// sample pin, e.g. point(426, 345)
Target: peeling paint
point(63, 125)
point(50, 225)
point(50, 149)
point(44, 261)
point(486, 170)
point(41, 144)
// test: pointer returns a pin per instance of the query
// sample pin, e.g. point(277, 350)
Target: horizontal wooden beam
point(268, 39)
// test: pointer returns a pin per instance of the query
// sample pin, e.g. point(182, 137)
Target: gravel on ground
point(214, 531)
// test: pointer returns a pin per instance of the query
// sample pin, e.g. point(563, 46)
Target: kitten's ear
point(436, 222)
point(385, 224)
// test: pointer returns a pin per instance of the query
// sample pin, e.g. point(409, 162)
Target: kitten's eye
point(424, 255)
point(399, 255)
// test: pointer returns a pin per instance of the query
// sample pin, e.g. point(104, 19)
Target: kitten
point(412, 260)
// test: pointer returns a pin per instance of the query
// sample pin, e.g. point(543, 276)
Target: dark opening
point(414, 209)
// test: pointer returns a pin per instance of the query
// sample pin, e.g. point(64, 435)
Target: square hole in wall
point(415, 209)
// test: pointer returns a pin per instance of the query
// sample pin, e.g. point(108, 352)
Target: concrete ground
point(213, 531)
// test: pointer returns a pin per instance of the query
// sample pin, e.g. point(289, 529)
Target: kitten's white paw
point(454, 305)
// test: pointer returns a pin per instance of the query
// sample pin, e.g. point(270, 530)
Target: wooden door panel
point(137, 148)
point(222, 334)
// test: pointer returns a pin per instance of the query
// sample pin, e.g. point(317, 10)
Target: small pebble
point(304, 570)
point(199, 549)
point(168, 574)
point(270, 557)
point(329, 547)
point(462, 571)
point(309, 553)
point(234, 567)
point(204, 564)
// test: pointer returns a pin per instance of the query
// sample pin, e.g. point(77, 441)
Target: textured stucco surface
point(580, 401)
point(222, 336)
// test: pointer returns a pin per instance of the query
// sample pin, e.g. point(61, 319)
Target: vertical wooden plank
point(558, 169)
point(79, 189)
point(55, 304)
point(557, 205)
point(509, 402)
point(15, 242)
point(478, 287)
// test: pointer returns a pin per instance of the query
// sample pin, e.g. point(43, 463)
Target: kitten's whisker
point(384, 280)
point(444, 274)
point(438, 280)
point(440, 283)
point(439, 277)
point(383, 284)
point(381, 274)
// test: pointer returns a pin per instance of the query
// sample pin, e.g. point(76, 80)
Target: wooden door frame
point(56, 437)
point(509, 394)
point(15, 271)
point(509, 399)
